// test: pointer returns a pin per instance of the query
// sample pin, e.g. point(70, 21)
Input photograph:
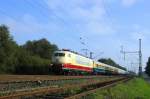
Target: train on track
point(71, 63)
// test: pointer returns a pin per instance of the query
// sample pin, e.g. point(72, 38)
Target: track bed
point(41, 86)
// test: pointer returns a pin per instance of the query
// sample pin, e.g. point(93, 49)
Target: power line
point(140, 56)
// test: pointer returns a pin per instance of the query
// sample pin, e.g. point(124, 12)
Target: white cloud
point(86, 16)
point(29, 25)
point(128, 3)
point(139, 31)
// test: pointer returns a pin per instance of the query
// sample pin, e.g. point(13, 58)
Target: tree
point(41, 47)
point(32, 58)
point(7, 50)
point(147, 69)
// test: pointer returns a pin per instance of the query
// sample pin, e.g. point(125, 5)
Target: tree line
point(33, 57)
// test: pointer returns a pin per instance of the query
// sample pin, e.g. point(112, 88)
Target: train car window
point(59, 54)
point(56, 54)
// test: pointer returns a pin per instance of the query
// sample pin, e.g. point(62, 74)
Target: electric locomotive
point(65, 61)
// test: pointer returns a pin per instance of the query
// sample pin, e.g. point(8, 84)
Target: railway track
point(84, 95)
point(20, 78)
point(57, 88)
point(53, 82)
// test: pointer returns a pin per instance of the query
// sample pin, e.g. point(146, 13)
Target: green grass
point(134, 89)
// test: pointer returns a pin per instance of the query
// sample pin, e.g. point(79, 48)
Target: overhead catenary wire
point(108, 17)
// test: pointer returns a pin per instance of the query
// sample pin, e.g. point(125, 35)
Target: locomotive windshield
point(59, 54)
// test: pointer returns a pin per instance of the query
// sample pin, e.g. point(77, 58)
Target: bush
point(28, 64)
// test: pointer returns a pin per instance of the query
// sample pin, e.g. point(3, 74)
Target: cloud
point(128, 3)
point(139, 31)
point(85, 16)
point(29, 28)
point(74, 16)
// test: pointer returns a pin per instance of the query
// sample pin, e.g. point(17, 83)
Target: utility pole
point(91, 55)
point(127, 52)
point(139, 53)
point(140, 59)
point(85, 49)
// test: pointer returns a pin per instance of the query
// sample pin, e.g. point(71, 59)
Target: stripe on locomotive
point(77, 67)
point(98, 70)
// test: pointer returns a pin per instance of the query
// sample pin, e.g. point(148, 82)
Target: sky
point(101, 26)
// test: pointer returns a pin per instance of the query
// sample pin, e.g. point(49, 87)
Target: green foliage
point(32, 58)
point(109, 61)
point(41, 47)
point(135, 89)
point(28, 64)
point(148, 67)
point(7, 51)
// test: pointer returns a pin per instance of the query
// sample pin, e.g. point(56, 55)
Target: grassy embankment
point(134, 89)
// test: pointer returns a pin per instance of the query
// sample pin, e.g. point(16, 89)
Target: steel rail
point(105, 86)
point(14, 86)
point(20, 79)
point(47, 90)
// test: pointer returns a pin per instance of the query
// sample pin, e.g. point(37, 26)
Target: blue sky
point(103, 25)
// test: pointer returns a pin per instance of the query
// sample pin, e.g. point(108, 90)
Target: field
point(134, 89)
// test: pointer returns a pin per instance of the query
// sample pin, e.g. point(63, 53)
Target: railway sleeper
point(70, 92)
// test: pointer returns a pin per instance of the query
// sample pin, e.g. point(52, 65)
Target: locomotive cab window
point(59, 54)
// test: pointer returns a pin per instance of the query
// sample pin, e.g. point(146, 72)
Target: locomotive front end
point(59, 58)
